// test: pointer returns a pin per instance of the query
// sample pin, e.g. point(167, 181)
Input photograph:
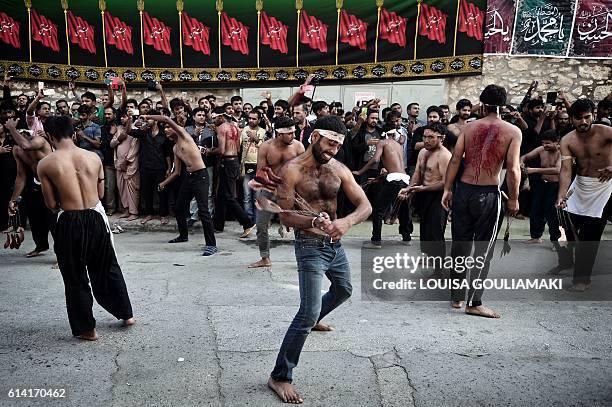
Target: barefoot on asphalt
point(482, 311)
point(261, 263)
point(35, 253)
point(578, 288)
point(132, 217)
point(285, 391)
point(323, 327)
point(457, 304)
point(89, 335)
point(55, 266)
point(128, 322)
point(124, 215)
point(147, 219)
point(534, 241)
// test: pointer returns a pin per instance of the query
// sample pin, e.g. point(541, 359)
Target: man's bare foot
point(163, 220)
point(129, 321)
point(146, 219)
point(132, 217)
point(285, 391)
point(457, 304)
point(264, 262)
point(534, 241)
point(55, 266)
point(323, 327)
point(124, 215)
point(89, 335)
point(579, 287)
point(482, 311)
point(35, 253)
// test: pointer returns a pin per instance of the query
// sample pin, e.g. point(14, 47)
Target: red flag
point(313, 32)
point(44, 31)
point(81, 32)
point(195, 34)
point(156, 33)
point(432, 23)
point(273, 33)
point(471, 20)
point(234, 34)
point(9, 31)
point(353, 30)
point(393, 27)
point(118, 33)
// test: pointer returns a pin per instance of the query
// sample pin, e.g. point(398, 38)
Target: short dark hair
point(318, 106)
point(257, 112)
point(436, 109)
point(463, 103)
point(235, 98)
point(444, 107)
point(226, 105)
point(493, 95)
point(113, 109)
point(60, 101)
point(284, 121)
point(84, 109)
point(412, 104)
point(333, 123)
point(59, 127)
point(534, 103)
point(39, 105)
point(437, 128)
point(145, 102)
point(134, 101)
point(581, 106)
point(550, 135)
point(202, 98)
point(89, 95)
point(393, 114)
point(210, 96)
point(395, 104)
point(370, 111)
point(176, 102)
point(154, 112)
point(282, 104)
point(219, 110)
point(198, 110)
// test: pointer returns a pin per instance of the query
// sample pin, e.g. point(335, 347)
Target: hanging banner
point(240, 40)
point(543, 27)
point(592, 36)
point(499, 26)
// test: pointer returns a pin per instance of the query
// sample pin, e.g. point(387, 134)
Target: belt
point(300, 234)
point(229, 157)
point(196, 172)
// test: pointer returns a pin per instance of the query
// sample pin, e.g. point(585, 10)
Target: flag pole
point(179, 8)
point(102, 6)
point(140, 5)
point(456, 26)
point(28, 4)
point(259, 7)
point(339, 9)
point(416, 34)
point(379, 4)
point(65, 8)
point(219, 7)
point(298, 5)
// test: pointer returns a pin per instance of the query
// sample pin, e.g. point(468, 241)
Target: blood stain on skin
point(483, 151)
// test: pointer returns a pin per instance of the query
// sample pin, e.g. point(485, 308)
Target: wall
point(575, 77)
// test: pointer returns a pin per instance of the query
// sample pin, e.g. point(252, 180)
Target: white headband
point(285, 129)
point(330, 134)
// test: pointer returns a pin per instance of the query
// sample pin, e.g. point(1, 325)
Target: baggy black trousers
point(433, 222)
point(83, 248)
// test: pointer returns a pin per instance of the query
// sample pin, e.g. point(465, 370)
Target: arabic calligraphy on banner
point(543, 28)
point(499, 26)
point(592, 35)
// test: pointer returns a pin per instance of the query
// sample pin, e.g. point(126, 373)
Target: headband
point(290, 129)
point(330, 134)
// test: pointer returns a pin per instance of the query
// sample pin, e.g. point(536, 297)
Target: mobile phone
point(184, 95)
point(551, 97)
point(41, 85)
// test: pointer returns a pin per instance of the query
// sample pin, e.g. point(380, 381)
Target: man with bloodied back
point(476, 203)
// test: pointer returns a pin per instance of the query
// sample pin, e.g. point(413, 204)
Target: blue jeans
point(249, 196)
point(315, 257)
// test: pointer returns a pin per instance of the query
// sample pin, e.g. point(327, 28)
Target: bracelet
point(313, 222)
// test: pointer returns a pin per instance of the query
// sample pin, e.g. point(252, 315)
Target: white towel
point(589, 196)
point(398, 176)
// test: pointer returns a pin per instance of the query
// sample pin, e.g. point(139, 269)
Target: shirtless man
point(476, 203)
point(317, 177)
point(464, 110)
point(588, 205)
point(428, 184)
point(274, 153)
point(392, 154)
point(195, 184)
point(30, 149)
point(73, 183)
point(229, 151)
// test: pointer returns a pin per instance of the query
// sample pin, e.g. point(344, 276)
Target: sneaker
point(210, 250)
point(372, 245)
point(247, 232)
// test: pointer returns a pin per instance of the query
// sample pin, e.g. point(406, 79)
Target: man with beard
point(229, 148)
point(30, 149)
point(316, 177)
point(476, 200)
point(588, 205)
point(562, 123)
point(194, 184)
point(61, 107)
point(274, 153)
point(464, 110)
point(72, 183)
point(365, 135)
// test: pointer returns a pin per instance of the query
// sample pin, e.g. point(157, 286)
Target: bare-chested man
point(317, 177)
point(195, 184)
point(73, 183)
point(30, 149)
point(273, 154)
point(428, 184)
point(476, 203)
point(588, 205)
point(392, 155)
point(543, 210)
point(464, 110)
point(228, 134)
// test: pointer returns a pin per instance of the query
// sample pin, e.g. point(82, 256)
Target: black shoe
point(559, 268)
point(191, 222)
point(179, 239)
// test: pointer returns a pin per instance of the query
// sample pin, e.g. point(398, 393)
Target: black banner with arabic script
point(592, 35)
